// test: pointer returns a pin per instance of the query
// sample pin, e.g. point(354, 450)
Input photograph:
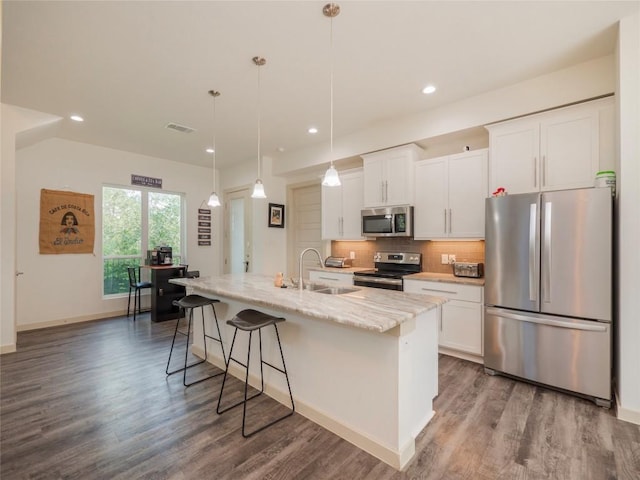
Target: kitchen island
point(363, 364)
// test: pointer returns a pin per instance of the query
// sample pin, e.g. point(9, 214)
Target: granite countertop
point(372, 309)
point(445, 277)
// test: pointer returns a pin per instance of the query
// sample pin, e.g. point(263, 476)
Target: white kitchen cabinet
point(341, 207)
point(449, 196)
point(388, 176)
point(331, 277)
point(461, 324)
point(554, 150)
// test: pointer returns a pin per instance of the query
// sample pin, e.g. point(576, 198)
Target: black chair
point(188, 304)
point(250, 320)
point(135, 285)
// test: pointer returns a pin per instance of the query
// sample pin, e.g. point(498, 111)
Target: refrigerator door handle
point(546, 259)
point(532, 251)
point(543, 321)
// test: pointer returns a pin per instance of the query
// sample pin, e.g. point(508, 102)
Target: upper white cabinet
point(555, 150)
point(388, 176)
point(449, 196)
point(341, 208)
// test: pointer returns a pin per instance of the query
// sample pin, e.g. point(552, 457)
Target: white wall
point(269, 252)
point(628, 331)
point(13, 121)
point(68, 287)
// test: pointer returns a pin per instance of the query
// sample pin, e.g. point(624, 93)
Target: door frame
point(243, 192)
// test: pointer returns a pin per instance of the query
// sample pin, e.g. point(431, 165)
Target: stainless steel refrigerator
point(548, 289)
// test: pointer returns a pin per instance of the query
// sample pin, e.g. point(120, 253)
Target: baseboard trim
point(396, 459)
point(626, 414)
point(68, 321)
point(463, 355)
point(7, 348)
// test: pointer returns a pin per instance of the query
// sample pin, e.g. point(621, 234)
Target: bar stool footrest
point(249, 320)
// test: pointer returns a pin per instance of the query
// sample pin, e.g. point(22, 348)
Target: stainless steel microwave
point(387, 222)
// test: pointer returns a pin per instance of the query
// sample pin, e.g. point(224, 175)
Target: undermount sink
point(327, 289)
point(337, 290)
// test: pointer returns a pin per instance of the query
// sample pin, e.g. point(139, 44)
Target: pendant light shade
point(214, 201)
point(331, 177)
point(258, 187)
point(258, 190)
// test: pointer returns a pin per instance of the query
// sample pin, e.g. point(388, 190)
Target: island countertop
point(367, 308)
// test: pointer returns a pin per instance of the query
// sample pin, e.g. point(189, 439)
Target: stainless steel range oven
point(389, 270)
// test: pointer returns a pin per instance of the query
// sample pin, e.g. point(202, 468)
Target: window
point(135, 220)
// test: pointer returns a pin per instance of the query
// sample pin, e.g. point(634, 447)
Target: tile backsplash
point(465, 251)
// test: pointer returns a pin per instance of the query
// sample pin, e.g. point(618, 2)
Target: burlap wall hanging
point(67, 222)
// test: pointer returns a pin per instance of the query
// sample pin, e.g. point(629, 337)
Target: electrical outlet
point(444, 259)
point(352, 255)
point(452, 258)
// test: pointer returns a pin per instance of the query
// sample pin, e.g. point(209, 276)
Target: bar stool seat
point(188, 304)
point(250, 320)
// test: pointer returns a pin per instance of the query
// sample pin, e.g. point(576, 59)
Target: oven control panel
point(398, 257)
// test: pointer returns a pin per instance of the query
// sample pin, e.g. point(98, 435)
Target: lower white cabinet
point(331, 277)
point(461, 318)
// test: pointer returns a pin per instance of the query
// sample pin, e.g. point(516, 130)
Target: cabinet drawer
point(331, 277)
point(453, 291)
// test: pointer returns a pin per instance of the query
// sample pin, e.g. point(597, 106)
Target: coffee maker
point(165, 256)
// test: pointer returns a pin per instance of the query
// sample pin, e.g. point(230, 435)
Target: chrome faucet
point(300, 286)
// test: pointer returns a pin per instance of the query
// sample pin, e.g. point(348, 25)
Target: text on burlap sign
point(67, 222)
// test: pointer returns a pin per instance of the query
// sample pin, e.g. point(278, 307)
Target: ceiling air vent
point(179, 128)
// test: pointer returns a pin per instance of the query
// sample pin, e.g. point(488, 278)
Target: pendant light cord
point(331, 90)
point(259, 121)
point(215, 94)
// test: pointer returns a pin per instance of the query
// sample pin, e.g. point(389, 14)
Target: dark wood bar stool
point(188, 304)
point(136, 285)
point(250, 320)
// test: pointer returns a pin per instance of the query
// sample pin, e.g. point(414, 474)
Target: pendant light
point(331, 178)
point(258, 187)
point(214, 201)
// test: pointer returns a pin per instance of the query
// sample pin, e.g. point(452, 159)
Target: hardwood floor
point(91, 401)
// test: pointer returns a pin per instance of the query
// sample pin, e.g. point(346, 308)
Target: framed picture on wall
point(276, 215)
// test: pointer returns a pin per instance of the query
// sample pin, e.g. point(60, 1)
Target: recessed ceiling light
point(312, 130)
point(76, 118)
point(429, 89)
point(209, 150)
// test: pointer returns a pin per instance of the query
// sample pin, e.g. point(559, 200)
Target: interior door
point(238, 236)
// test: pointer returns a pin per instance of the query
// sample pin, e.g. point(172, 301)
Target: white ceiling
point(131, 67)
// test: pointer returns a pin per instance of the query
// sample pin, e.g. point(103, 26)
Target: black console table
point(164, 293)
